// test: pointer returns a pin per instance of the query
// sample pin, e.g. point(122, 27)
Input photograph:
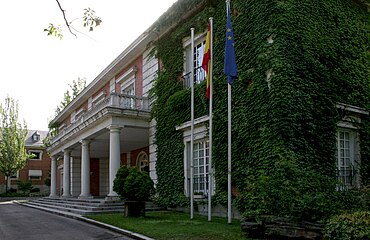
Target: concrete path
point(19, 222)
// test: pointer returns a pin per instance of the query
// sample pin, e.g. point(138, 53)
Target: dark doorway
point(94, 177)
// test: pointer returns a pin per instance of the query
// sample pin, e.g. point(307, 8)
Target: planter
point(134, 209)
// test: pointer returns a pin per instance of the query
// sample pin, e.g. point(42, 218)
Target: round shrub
point(133, 185)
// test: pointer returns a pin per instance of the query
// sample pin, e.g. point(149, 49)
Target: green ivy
point(319, 56)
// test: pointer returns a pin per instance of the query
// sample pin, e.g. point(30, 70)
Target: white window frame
point(127, 82)
point(40, 152)
point(200, 167)
point(199, 73)
point(142, 161)
point(98, 99)
point(200, 134)
point(35, 175)
point(36, 137)
point(353, 116)
point(14, 176)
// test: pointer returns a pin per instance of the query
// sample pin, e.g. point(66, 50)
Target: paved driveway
point(23, 223)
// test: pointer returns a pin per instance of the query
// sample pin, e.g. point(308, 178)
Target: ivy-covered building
point(300, 104)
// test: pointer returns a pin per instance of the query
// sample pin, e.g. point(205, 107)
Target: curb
point(88, 220)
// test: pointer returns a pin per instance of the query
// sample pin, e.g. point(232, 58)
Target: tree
point(76, 87)
point(13, 156)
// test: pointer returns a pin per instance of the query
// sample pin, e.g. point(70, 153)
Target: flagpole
point(229, 220)
point(210, 171)
point(192, 127)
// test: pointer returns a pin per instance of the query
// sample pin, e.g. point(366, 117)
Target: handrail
point(114, 100)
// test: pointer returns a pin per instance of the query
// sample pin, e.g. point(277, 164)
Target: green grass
point(174, 225)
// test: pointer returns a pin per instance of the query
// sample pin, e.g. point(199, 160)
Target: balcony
point(114, 103)
point(199, 76)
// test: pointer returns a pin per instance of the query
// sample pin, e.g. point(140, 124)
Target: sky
point(36, 70)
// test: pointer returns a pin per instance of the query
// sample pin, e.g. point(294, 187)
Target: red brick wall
point(44, 165)
point(136, 152)
point(138, 62)
point(133, 156)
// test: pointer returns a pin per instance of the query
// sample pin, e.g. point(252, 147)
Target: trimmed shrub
point(25, 187)
point(355, 226)
point(133, 185)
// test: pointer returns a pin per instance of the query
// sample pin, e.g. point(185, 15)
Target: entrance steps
point(77, 206)
point(83, 206)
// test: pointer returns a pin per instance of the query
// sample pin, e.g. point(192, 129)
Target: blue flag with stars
point(230, 60)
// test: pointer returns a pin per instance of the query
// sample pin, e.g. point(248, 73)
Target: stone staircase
point(77, 206)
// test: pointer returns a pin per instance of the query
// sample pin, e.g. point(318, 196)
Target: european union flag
point(230, 60)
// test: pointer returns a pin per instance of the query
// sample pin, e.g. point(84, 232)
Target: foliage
point(13, 194)
point(13, 156)
point(355, 226)
point(295, 192)
point(175, 225)
point(317, 55)
point(54, 31)
point(133, 185)
point(26, 187)
point(47, 181)
point(76, 87)
point(89, 20)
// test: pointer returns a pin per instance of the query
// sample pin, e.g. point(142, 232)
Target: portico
point(108, 137)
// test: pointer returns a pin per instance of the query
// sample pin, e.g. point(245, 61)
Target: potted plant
point(134, 187)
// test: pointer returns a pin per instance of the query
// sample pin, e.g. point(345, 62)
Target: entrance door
point(94, 177)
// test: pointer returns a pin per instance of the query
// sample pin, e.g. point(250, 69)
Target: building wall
point(138, 63)
point(150, 69)
point(44, 165)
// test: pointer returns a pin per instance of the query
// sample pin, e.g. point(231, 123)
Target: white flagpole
point(210, 171)
point(192, 126)
point(229, 220)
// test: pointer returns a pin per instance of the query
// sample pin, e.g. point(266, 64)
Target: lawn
point(174, 225)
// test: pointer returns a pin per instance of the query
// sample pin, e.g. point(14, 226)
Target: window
point(200, 157)
point(143, 162)
point(200, 166)
point(34, 174)
point(15, 176)
point(127, 83)
point(345, 155)
point(36, 137)
point(199, 73)
point(36, 154)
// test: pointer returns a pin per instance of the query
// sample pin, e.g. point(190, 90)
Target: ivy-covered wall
point(296, 59)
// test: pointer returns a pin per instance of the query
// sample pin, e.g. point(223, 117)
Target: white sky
point(36, 69)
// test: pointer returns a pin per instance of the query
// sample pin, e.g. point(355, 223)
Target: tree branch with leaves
point(89, 19)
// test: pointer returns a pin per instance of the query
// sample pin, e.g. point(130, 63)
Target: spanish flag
point(206, 63)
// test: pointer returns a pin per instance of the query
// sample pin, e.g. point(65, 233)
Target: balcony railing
point(200, 185)
point(199, 76)
point(114, 100)
point(346, 179)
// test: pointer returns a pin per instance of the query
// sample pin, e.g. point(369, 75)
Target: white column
point(53, 177)
point(114, 158)
point(85, 170)
point(67, 174)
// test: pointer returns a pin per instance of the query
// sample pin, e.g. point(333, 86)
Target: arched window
point(142, 162)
